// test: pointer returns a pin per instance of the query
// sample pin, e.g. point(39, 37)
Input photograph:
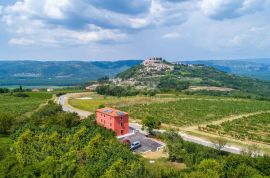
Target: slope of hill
point(259, 69)
point(58, 73)
point(180, 76)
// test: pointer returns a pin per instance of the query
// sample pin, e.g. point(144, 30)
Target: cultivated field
point(256, 128)
point(182, 110)
point(90, 102)
point(194, 111)
point(19, 105)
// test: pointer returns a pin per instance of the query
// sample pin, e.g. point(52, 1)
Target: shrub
point(6, 121)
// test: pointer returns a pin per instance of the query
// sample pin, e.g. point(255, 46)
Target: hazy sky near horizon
point(134, 29)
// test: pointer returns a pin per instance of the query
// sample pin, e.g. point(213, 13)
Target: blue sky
point(134, 29)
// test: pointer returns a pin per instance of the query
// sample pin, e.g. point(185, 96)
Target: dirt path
point(193, 130)
point(28, 114)
point(218, 122)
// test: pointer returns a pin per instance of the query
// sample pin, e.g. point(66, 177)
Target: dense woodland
point(122, 91)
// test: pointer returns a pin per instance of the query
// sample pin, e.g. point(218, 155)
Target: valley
point(198, 113)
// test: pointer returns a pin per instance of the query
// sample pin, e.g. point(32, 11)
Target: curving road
point(63, 100)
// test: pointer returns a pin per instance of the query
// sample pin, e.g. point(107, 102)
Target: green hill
point(256, 68)
point(180, 76)
point(58, 73)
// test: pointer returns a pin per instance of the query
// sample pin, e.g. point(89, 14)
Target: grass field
point(18, 105)
point(97, 100)
point(255, 128)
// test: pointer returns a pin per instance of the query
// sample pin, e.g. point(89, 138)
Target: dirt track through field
point(230, 118)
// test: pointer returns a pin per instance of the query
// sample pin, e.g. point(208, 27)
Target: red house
point(113, 119)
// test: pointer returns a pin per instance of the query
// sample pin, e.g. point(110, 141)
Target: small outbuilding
point(35, 90)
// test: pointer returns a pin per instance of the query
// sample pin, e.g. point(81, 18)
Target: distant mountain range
point(256, 68)
point(58, 73)
point(65, 73)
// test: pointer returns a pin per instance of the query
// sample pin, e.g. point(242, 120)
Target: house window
point(122, 132)
point(121, 123)
point(110, 124)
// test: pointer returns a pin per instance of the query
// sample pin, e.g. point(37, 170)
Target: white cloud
point(225, 9)
point(172, 35)
point(112, 20)
point(21, 41)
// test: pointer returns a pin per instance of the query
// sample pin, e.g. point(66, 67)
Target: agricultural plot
point(19, 105)
point(256, 128)
point(185, 112)
point(92, 101)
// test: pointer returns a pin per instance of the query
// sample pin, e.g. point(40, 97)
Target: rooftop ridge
point(112, 111)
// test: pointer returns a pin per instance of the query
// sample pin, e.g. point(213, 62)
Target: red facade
point(113, 119)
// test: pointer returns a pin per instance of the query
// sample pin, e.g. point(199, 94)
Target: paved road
point(190, 138)
point(63, 100)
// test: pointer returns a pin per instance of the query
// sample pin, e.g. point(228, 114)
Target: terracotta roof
point(112, 112)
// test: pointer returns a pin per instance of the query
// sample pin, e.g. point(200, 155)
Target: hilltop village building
point(113, 119)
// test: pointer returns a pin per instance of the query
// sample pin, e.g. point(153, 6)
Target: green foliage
point(4, 90)
point(104, 79)
point(208, 168)
point(22, 95)
point(6, 122)
point(60, 94)
point(197, 75)
point(131, 72)
point(253, 128)
point(169, 83)
point(118, 91)
point(52, 114)
point(101, 106)
point(85, 150)
point(151, 123)
point(208, 162)
point(188, 111)
point(20, 105)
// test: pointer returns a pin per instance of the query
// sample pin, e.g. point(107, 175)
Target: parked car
point(135, 145)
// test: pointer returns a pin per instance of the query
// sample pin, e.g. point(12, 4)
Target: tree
point(151, 123)
point(67, 120)
point(220, 143)
point(243, 171)
point(101, 106)
point(168, 83)
point(6, 122)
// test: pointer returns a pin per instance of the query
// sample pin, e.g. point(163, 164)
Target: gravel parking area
point(147, 144)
